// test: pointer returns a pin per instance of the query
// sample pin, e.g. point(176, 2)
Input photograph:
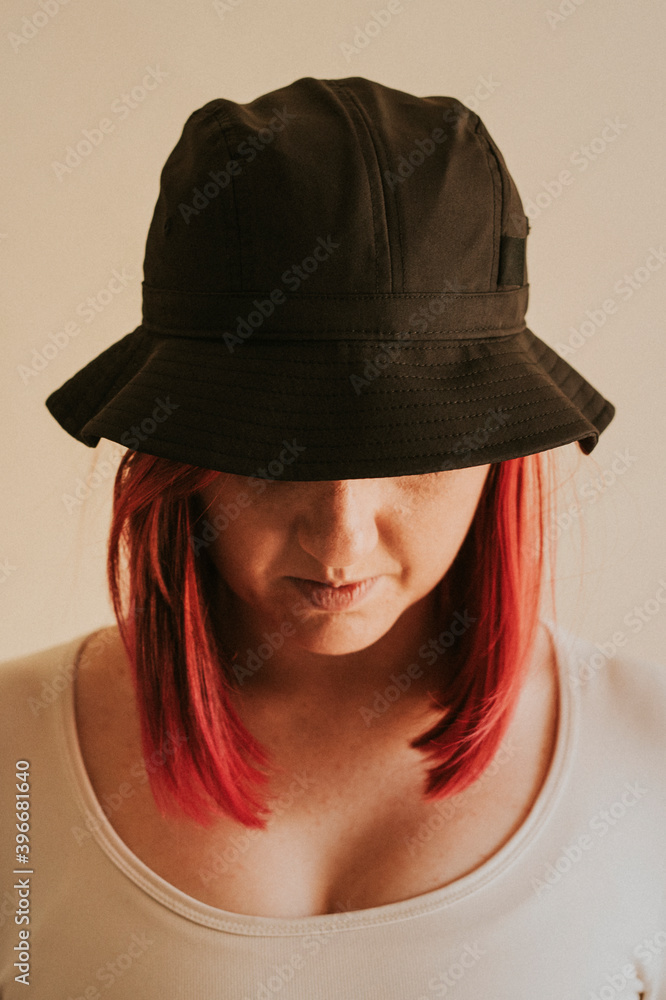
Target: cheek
point(245, 551)
point(252, 548)
point(237, 539)
point(439, 523)
point(432, 546)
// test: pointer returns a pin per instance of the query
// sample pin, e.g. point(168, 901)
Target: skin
point(405, 530)
point(339, 842)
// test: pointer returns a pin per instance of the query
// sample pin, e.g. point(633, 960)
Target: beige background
point(545, 84)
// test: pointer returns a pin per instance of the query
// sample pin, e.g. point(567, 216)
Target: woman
point(332, 748)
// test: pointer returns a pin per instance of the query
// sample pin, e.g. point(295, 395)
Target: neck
point(345, 682)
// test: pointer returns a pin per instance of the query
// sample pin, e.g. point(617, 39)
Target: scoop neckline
point(201, 913)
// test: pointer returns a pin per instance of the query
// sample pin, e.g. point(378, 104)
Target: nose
point(338, 527)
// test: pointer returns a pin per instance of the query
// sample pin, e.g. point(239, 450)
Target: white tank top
point(570, 908)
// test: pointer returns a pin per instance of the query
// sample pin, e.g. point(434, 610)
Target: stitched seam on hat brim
point(344, 366)
point(225, 456)
point(499, 294)
point(344, 369)
point(434, 454)
point(283, 337)
point(590, 394)
point(570, 375)
point(582, 386)
point(534, 373)
point(462, 418)
point(91, 395)
point(319, 394)
point(606, 407)
point(421, 405)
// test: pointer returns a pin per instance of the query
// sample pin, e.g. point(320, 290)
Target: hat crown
point(339, 267)
point(343, 186)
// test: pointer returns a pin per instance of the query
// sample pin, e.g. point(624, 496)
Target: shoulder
point(32, 682)
point(614, 687)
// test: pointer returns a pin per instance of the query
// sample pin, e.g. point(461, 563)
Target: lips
point(335, 597)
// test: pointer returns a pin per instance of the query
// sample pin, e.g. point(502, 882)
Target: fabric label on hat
point(512, 261)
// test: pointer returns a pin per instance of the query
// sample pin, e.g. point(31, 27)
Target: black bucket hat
point(335, 274)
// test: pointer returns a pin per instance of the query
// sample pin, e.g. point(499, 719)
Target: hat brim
point(330, 410)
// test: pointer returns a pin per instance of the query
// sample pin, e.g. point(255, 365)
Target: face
point(332, 566)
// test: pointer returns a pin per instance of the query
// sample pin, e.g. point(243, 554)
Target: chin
point(339, 636)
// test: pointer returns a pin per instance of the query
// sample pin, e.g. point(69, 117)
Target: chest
point(352, 853)
point(343, 835)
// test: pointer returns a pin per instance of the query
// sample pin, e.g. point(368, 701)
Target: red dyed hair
point(184, 681)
